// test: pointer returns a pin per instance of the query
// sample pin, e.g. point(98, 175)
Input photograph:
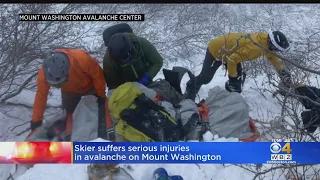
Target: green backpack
point(139, 118)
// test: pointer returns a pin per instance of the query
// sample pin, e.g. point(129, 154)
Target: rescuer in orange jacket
point(233, 48)
point(75, 72)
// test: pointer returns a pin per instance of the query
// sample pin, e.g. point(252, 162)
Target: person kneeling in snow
point(311, 118)
point(233, 48)
point(76, 73)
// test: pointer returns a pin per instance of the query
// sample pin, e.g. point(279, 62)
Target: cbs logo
point(277, 148)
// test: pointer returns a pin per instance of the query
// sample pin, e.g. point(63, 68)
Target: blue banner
point(196, 152)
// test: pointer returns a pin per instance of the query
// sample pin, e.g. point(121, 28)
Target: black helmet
point(120, 48)
point(56, 69)
point(278, 41)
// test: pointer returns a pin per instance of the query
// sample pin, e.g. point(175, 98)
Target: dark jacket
point(311, 92)
point(145, 59)
point(311, 118)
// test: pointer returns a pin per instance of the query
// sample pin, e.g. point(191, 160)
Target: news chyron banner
point(159, 153)
point(81, 17)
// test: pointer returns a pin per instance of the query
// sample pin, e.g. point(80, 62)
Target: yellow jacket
point(224, 48)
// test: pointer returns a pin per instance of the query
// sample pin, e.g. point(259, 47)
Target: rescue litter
point(81, 17)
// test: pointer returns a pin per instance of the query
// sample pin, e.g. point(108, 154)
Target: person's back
point(130, 58)
point(78, 80)
point(224, 47)
point(224, 43)
point(75, 72)
point(231, 49)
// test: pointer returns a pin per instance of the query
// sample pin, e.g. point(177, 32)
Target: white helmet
point(278, 41)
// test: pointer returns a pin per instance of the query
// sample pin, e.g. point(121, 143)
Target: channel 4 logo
point(276, 148)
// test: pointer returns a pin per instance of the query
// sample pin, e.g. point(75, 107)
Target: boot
point(234, 84)
point(192, 90)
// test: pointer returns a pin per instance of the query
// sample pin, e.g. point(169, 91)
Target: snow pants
point(209, 68)
point(69, 103)
point(71, 100)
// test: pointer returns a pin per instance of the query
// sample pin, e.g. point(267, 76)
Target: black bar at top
point(81, 17)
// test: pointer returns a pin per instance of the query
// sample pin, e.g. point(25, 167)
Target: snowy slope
point(144, 171)
point(263, 107)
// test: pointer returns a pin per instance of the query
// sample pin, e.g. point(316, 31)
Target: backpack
point(112, 30)
point(166, 91)
point(140, 119)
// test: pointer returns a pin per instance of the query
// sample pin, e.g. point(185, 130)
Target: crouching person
point(73, 71)
point(310, 118)
point(130, 58)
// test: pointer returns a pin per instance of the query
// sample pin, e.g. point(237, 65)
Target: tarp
point(84, 123)
point(85, 120)
point(228, 112)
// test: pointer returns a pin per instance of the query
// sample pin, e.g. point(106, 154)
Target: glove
point(145, 79)
point(234, 84)
point(285, 77)
point(33, 127)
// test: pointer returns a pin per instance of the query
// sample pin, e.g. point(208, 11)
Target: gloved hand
point(285, 77)
point(33, 127)
point(234, 84)
point(145, 79)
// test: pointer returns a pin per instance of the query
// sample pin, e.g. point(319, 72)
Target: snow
point(208, 136)
point(266, 109)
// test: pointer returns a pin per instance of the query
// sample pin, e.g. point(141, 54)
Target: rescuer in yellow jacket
point(233, 48)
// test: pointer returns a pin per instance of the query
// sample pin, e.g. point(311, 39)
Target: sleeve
point(312, 93)
point(274, 61)
point(110, 72)
point(95, 71)
point(240, 55)
point(153, 57)
point(41, 97)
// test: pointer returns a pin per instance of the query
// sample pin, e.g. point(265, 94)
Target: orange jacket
point(84, 75)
